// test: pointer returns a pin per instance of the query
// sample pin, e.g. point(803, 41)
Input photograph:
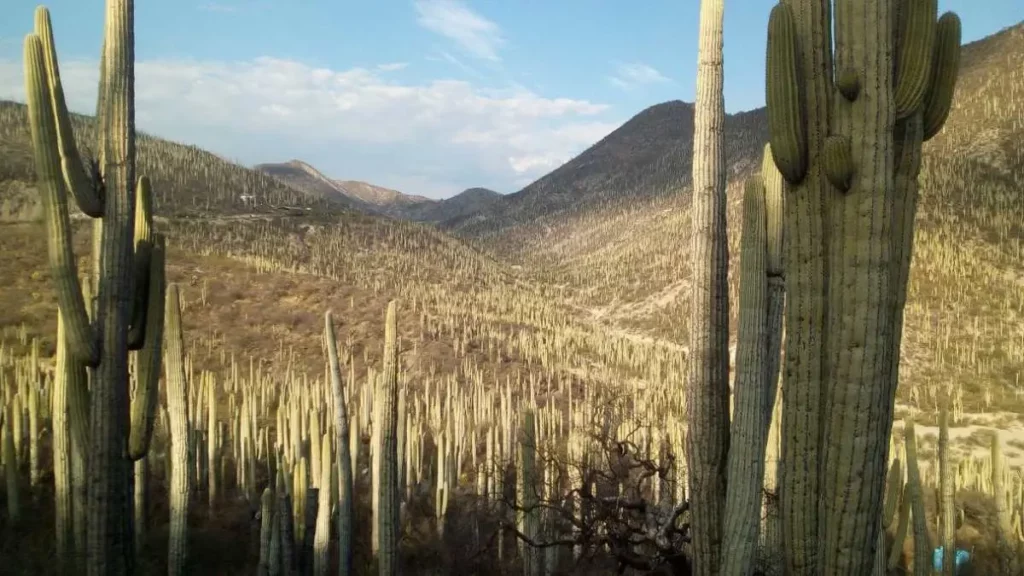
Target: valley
point(569, 295)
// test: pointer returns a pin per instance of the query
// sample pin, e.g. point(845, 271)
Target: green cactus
point(852, 172)
point(1008, 560)
point(915, 496)
point(947, 510)
point(752, 396)
point(177, 409)
point(124, 243)
point(64, 374)
point(386, 421)
point(345, 465)
point(707, 388)
point(528, 517)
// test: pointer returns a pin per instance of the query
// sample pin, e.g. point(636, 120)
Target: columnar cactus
point(947, 510)
point(177, 407)
point(266, 531)
point(528, 517)
point(914, 494)
point(707, 389)
point(345, 463)
point(386, 416)
point(67, 374)
point(754, 391)
point(122, 257)
point(1008, 559)
point(846, 129)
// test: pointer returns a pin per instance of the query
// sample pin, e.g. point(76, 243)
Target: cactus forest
point(786, 341)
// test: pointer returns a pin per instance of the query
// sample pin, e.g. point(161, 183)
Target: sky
point(427, 97)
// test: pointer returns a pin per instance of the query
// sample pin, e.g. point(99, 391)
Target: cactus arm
point(943, 79)
point(143, 250)
point(60, 415)
point(83, 185)
point(836, 162)
point(914, 54)
point(144, 401)
point(82, 339)
point(786, 119)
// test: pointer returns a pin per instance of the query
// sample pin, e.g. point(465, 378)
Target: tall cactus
point(846, 129)
point(177, 408)
point(947, 509)
point(341, 430)
point(754, 390)
point(386, 421)
point(123, 261)
point(707, 389)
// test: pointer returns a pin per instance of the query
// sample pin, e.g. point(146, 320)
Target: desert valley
point(541, 334)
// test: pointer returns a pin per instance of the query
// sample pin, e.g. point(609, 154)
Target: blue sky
point(426, 96)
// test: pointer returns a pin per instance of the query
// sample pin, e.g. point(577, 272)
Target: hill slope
point(374, 199)
point(186, 180)
point(465, 204)
point(648, 156)
point(627, 265)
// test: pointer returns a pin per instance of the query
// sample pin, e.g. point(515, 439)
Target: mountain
point(379, 200)
point(465, 204)
point(383, 200)
point(187, 181)
point(647, 156)
point(305, 178)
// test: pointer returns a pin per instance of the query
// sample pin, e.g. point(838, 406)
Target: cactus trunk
point(707, 390)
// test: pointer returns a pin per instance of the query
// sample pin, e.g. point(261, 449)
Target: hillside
point(303, 177)
point(649, 156)
point(451, 210)
point(187, 181)
point(373, 199)
point(385, 200)
point(646, 157)
point(627, 265)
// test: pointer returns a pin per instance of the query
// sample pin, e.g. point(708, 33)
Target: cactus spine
point(386, 422)
point(847, 265)
point(707, 390)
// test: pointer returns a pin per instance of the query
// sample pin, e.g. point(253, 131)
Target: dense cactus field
point(193, 383)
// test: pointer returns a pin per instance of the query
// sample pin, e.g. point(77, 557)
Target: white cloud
point(631, 75)
point(392, 66)
point(475, 34)
point(358, 123)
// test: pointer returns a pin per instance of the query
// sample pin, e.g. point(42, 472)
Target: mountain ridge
point(379, 200)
